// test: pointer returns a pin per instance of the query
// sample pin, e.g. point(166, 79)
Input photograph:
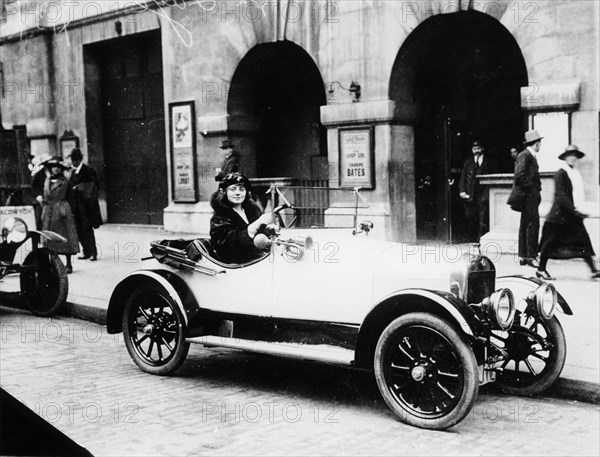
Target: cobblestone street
point(80, 379)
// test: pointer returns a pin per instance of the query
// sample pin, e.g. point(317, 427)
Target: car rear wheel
point(426, 371)
point(45, 286)
point(536, 349)
point(154, 331)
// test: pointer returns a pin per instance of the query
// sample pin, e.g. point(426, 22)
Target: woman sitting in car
point(237, 222)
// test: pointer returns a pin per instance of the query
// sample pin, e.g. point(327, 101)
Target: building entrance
point(130, 95)
point(457, 78)
point(274, 100)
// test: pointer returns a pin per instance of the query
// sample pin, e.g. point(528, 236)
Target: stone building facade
point(293, 83)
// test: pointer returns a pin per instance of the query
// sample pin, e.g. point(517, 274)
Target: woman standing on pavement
point(57, 215)
point(564, 236)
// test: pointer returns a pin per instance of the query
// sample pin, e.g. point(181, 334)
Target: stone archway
point(273, 106)
point(456, 77)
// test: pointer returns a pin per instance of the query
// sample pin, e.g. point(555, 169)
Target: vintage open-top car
point(43, 277)
point(431, 328)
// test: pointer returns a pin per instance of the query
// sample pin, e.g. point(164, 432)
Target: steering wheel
point(280, 220)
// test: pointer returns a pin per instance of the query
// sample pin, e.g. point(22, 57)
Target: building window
point(555, 127)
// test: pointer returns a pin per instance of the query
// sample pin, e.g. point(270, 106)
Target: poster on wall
point(183, 151)
point(356, 157)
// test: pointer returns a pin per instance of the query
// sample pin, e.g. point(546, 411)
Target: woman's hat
point(571, 150)
point(532, 136)
point(234, 178)
point(55, 161)
point(226, 144)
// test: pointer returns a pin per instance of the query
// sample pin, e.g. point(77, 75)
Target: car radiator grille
point(480, 285)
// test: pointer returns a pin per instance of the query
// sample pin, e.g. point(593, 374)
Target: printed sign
point(22, 212)
point(356, 158)
point(183, 152)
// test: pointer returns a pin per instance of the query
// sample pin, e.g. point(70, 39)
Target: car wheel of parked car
point(536, 349)
point(45, 287)
point(154, 331)
point(426, 371)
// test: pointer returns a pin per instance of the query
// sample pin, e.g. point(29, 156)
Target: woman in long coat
point(564, 235)
point(57, 214)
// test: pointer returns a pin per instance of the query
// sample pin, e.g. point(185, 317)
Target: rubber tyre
point(525, 384)
point(45, 290)
point(448, 361)
point(163, 349)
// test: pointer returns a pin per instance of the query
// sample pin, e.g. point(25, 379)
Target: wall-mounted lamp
point(118, 27)
point(354, 90)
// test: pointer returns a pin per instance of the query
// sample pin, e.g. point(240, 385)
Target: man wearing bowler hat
point(526, 197)
point(84, 201)
point(231, 161)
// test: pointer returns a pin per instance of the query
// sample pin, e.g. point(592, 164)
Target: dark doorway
point(274, 107)
point(132, 106)
point(460, 76)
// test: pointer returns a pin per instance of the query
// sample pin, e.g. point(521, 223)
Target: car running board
point(322, 352)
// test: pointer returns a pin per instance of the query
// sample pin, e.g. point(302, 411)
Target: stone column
point(391, 201)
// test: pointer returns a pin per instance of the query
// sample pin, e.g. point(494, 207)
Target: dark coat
point(229, 165)
point(468, 181)
point(563, 209)
point(84, 197)
point(564, 235)
point(57, 216)
point(229, 232)
point(527, 183)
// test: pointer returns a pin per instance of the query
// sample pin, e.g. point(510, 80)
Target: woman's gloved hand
point(262, 241)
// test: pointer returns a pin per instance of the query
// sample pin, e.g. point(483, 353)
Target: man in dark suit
point(476, 198)
point(84, 203)
point(526, 197)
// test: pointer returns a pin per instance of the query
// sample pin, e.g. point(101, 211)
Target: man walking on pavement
point(526, 197)
point(475, 198)
point(84, 187)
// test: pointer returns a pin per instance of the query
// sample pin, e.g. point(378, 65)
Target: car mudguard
point(535, 283)
point(406, 301)
point(172, 284)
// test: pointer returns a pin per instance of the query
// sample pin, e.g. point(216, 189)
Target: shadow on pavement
point(23, 432)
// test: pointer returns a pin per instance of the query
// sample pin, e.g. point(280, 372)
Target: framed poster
point(68, 142)
point(357, 157)
point(182, 127)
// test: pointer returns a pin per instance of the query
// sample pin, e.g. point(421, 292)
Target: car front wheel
point(536, 349)
point(154, 331)
point(45, 286)
point(426, 371)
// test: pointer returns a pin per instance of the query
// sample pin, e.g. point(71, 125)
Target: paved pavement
point(121, 249)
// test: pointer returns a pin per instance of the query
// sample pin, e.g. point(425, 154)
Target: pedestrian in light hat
point(564, 235)
point(525, 198)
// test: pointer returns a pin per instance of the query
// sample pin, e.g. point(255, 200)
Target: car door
point(332, 282)
point(246, 290)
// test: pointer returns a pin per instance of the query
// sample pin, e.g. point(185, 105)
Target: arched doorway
point(457, 77)
point(274, 112)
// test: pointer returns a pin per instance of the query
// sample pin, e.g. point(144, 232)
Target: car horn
point(293, 248)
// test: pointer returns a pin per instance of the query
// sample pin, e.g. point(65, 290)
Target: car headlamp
point(546, 300)
point(500, 308)
point(14, 230)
